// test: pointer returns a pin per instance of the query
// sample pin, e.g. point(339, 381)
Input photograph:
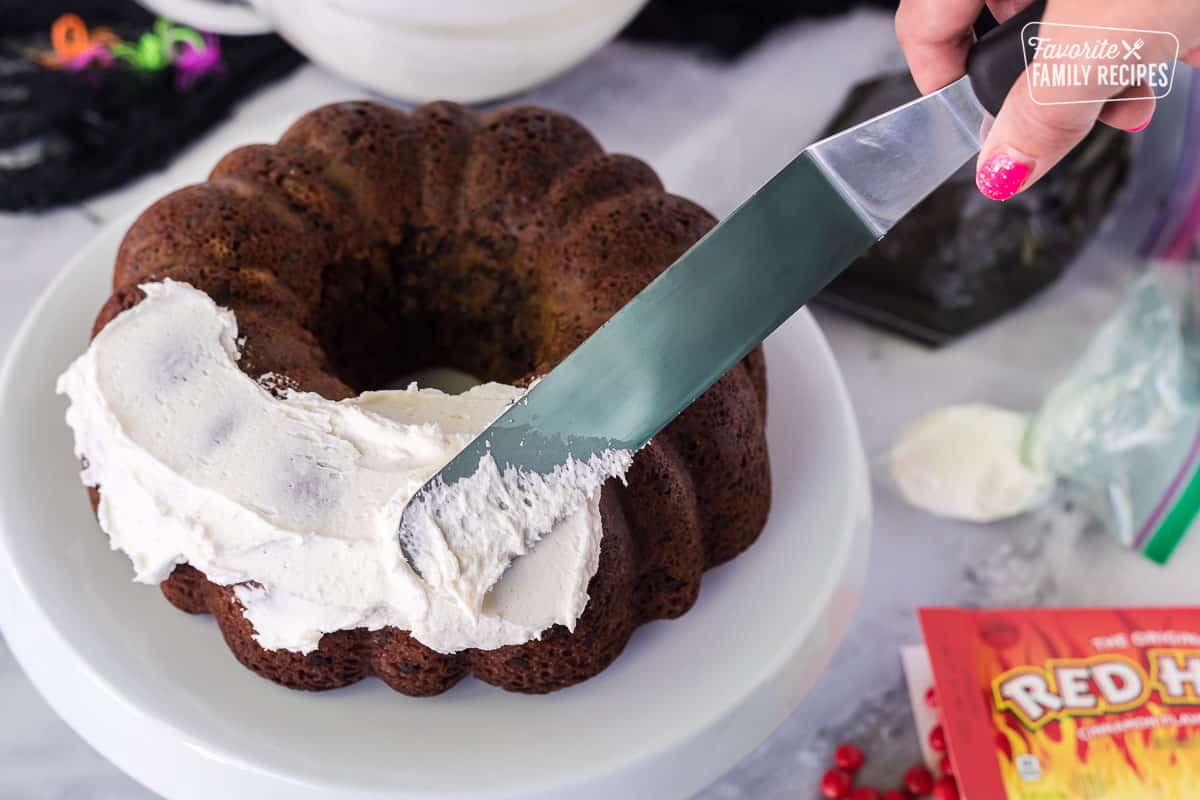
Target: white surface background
point(714, 132)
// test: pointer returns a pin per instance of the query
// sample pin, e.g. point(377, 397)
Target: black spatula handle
point(998, 58)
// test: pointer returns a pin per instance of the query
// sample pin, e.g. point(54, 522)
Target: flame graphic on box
point(1151, 751)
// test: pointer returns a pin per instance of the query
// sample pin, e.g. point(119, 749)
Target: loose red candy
point(849, 758)
point(865, 793)
point(946, 766)
point(836, 784)
point(931, 698)
point(937, 739)
point(895, 794)
point(945, 789)
point(919, 781)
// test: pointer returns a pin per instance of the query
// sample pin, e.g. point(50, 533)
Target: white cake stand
point(156, 692)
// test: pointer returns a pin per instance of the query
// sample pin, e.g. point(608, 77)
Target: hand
point(1028, 139)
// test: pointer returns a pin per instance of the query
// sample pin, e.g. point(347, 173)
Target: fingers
point(936, 36)
point(1003, 9)
point(1027, 139)
point(1131, 110)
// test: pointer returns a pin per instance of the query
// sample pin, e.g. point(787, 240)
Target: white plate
point(156, 691)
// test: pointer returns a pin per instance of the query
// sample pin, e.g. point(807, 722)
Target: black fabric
point(28, 17)
point(66, 136)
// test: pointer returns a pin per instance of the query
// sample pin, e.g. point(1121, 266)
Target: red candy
point(937, 739)
point(946, 766)
point(836, 784)
point(931, 698)
point(919, 781)
point(849, 758)
point(945, 789)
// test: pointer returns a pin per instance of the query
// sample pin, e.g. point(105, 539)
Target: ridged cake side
point(371, 242)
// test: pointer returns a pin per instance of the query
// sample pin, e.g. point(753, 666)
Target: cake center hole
point(446, 379)
point(380, 320)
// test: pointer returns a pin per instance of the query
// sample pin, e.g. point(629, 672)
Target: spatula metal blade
point(723, 296)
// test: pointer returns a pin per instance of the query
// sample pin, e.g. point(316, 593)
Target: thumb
point(1027, 139)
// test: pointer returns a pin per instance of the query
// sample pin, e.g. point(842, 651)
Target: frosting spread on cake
point(461, 538)
point(296, 499)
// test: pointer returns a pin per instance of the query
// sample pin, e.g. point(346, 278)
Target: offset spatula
point(747, 275)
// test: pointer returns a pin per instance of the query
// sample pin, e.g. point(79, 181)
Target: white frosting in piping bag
point(297, 499)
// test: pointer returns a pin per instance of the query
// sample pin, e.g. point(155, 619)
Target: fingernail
point(1141, 127)
point(1001, 175)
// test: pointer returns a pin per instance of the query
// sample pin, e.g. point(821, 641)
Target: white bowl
point(463, 50)
point(156, 691)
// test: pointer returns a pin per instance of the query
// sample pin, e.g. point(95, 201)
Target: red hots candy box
point(1057, 704)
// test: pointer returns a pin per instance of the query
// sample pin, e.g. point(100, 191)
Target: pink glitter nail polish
point(1141, 127)
point(1001, 176)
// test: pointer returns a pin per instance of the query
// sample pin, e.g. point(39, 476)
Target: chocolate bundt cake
point(370, 243)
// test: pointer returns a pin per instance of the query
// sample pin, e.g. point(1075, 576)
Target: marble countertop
point(715, 132)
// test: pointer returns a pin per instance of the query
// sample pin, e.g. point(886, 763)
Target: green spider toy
point(155, 50)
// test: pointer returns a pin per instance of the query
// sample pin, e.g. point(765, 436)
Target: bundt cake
point(370, 243)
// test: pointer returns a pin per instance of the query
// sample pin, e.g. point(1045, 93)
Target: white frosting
point(965, 462)
point(297, 499)
point(460, 538)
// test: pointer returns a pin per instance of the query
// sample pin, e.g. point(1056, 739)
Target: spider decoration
point(76, 48)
